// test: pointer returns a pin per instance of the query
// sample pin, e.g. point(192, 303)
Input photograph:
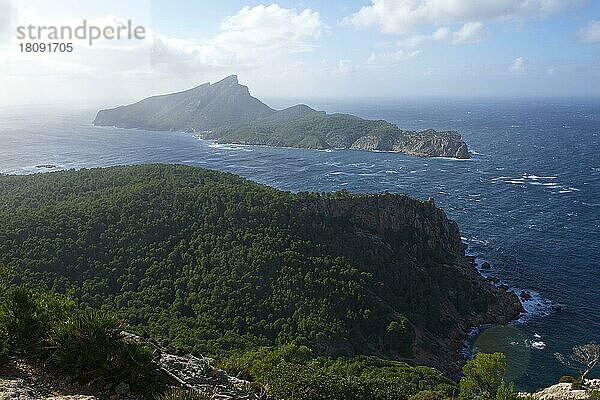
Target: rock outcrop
point(563, 391)
point(226, 113)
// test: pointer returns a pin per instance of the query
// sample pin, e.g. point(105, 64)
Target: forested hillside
point(217, 264)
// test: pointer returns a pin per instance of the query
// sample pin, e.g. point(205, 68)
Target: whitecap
point(538, 345)
point(590, 204)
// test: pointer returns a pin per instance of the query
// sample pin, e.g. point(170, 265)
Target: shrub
point(577, 384)
point(429, 395)
point(483, 376)
point(3, 339)
point(28, 316)
point(91, 345)
point(595, 395)
point(506, 392)
point(566, 379)
point(181, 394)
point(294, 372)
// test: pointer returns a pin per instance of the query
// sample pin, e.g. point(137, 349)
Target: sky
point(353, 49)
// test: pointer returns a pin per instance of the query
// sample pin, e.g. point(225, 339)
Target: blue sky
point(346, 49)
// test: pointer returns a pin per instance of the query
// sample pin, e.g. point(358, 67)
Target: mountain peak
point(229, 81)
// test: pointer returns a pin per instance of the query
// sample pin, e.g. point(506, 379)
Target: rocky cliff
point(226, 112)
point(435, 244)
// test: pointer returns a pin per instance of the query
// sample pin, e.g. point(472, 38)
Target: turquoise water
point(528, 201)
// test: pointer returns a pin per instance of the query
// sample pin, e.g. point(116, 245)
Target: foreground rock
point(563, 391)
point(201, 374)
point(226, 113)
point(21, 380)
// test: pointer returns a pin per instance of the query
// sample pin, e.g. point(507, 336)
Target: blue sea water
point(528, 201)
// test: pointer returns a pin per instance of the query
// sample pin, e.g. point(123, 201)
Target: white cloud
point(248, 39)
point(391, 58)
point(471, 32)
point(253, 39)
point(519, 65)
point(591, 33)
point(407, 16)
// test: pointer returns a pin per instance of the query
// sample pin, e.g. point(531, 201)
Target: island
point(226, 112)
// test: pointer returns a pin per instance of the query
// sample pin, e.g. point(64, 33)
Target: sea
point(527, 202)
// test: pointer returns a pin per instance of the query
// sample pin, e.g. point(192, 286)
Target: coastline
point(533, 303)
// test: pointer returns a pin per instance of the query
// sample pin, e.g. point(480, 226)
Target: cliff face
point(436, 245)
point(427, 143)
point(435, 233)
point(226, 112)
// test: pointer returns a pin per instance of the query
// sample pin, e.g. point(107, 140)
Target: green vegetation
point(567, 379)
point(307, 294)
point(80, 345)
point(294, 372)
point(483, 379)
point(216, 264)
point(89, 344)
point(301, 126)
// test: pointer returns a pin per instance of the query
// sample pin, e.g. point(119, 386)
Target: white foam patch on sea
point(543, 182)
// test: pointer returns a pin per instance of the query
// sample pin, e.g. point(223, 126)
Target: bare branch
point(584, 358)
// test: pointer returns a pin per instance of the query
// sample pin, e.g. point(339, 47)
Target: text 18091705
point(50, 47)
